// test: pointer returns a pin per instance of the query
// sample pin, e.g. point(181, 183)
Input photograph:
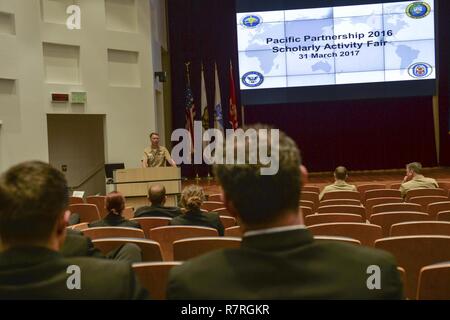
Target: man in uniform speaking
point(156, 155)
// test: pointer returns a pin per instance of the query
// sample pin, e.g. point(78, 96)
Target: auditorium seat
point(444, 185)
point(424, 201)
point(222, 211)
point(211, 205)
point(80, 226)
point(434, 208)
point(167, 235)
point(87, 212)
point(365, 233)
point(426, 192)
point(443, 216)
point(148, 223)
point(386, 219)
point(395, 186)
point(415, 228)
point(343, 209)
point(113, 232)
point(307, 203)
point(99, 201)
point(227, 221)
point(332, 217)
point(75, 200)
point(315, 189)
point(370, 203)
point(402, 277)
point(342, 195)
point(393, 207)
point(186, 249)
point(338, 202)
point(434, 282)
point(234, 232)
point(150, 250)
point(413, 253)
point(338, 239)
point(306, 211)
point(362, 188)
point(382, 193)
point(128, 213)
point(154, 276)
point(215, 197)
point(310, 196)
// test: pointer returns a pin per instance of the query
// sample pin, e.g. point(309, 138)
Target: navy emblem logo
point(418, 10)
point(252, 79)
point(420, 70)
point(251, 21)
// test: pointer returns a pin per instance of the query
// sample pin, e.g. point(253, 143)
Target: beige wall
point(111, 58)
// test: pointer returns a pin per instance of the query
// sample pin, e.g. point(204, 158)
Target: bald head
point(157, 194)
point(340, 173)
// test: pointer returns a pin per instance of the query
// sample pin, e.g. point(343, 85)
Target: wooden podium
point(134, 184)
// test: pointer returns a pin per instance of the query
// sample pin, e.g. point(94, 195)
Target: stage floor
point(356, 177)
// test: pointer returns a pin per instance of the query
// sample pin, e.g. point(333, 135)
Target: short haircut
point(33, 196)
point(156, 194)
point(115, 202)
point(154, 134)
point(415, 166)
point(262, 198)
point(340, 173)
point(192, 197)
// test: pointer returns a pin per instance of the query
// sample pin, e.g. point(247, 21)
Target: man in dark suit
point(33, 219)
point(279, 258)
point(157, 198)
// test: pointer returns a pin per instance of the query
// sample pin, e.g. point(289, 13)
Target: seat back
point(424, 201)
point(444, 185)
point(355, 195)
point(370, 203)
point(211, 205)
point(395, 186)
point(434, 208)
point(394, 207)
point(75, 200)
point(305, 211)
point(99, 201)
point(434, 282)
point(365, 233)
point(80, 226)
point(128, 213)
point(443, 216)
point(362, 188)
point(415, 252)
point(415, 228)
point(227, 222)
point(150, 250)
point(426, 192)
point(113, 232)
point(88, 212)
point(382, 193)
point(343, 209)
point(310, 196)
point(339, 202)
point(186, 249)
point(222, 211)
point(215, 197)
point(315, 189)
point(332, 217)
point(167, 235)
point(308, 204)
point(386, 219)
point(235, 232)
point(148, 223)
point(154, 276)
point(338, 239)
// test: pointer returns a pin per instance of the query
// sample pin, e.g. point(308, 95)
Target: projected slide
point(337, 45)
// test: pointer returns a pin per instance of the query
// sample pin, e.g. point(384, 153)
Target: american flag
point(190, 113)
point(232, 111)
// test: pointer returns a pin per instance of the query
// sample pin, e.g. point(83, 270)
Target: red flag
point(189, 107)
point(232, 111)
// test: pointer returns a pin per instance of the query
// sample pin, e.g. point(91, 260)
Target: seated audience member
point(157, 198)
point(33, 218)
point(415, 180)
point(192, 198)
point(279, 258)
point(340, 184)
point(115, 204)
